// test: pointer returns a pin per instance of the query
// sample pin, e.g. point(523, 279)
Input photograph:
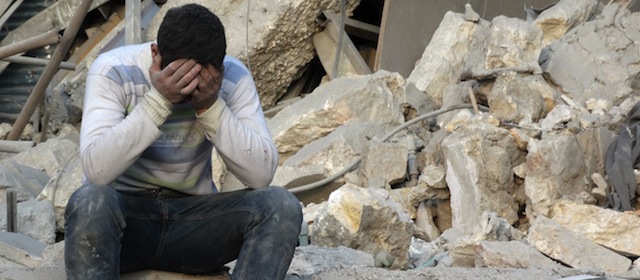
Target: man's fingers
point(190, 87)
point(211, 72)
point(178, 67)
point(186, 73)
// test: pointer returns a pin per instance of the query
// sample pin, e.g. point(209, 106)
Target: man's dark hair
point(192, 31)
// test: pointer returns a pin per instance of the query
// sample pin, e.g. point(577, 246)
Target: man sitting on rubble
point(152, 115)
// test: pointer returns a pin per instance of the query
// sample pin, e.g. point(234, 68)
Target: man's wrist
point(202, 110)
point(205, 108)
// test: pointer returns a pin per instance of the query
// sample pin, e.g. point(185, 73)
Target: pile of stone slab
point(488, 159)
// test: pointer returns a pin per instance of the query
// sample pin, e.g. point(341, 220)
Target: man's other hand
point(177, 81)
point(206, 93)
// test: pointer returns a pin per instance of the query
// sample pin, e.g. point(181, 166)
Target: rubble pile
point(488, 160)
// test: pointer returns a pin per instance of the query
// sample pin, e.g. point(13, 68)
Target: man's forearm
point(111, 142)
point(245, 146)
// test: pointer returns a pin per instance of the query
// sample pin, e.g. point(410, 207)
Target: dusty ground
point(363, 273)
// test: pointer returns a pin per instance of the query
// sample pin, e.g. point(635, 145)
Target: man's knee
point(279, 201)
point(92, 199)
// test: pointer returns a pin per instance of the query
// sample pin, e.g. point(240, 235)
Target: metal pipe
point(15, 146)
point(38, 41)
point(12, 210)
point(38, 61)
point(61, 50)
point(412, 166)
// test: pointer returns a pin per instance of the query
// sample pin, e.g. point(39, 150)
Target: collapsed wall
point(272, 37)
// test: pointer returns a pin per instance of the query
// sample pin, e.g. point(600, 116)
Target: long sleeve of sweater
point(112, 137)
point(238, 131)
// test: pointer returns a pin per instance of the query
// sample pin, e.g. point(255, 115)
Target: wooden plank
point(355, 27)
point(6, 14)
point(326, 44)
point(57, 15)
point(349, 49)
point(4, 5)
point(133, 34)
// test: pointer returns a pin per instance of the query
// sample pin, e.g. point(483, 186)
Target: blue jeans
point(108, 232)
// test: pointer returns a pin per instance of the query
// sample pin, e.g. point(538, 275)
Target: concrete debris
point(559, 243)
point(609, 228)
point(479, 163)
point(557, 20)
point(545, 182)
point(37, 220)
point(309, 260)
point(21, 249)
point(515, 189)
point(514, 254)
point(367, 220)
point(376, 98)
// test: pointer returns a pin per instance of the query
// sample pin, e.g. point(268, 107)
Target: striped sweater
point(132, 137)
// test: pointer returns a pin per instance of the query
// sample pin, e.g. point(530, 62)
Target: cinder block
point(22, 249)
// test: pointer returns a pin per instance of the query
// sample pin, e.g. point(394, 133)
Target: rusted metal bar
point(44, 39)
point(50, 70)
point(38, 61)
point(15, 146)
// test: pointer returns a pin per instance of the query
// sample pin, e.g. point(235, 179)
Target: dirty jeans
point(108, 232)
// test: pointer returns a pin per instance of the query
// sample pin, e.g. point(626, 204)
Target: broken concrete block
point(54, 255)
point(555, 169)
point(374, 98)
point(512, 42)
point(594, 143)
point(333, 152)
point(293, 176)
point(443, 61)
point(433, 176)
point(511, 254)
point(26, 180)
point(557, 118)
point(310, 260)
point(60, 187)
point(22, 249)
point(37, 220)
point(424, 222)
point(612, 229)
point(519, 99)
point(386, 161)
point(479, 173)
point(49, 156)
point(563, 16)
point(557, 242)
point(364, 219)
point(606, 41)
point(410, 197)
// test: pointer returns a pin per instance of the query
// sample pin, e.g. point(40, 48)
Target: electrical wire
point(357, 161)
